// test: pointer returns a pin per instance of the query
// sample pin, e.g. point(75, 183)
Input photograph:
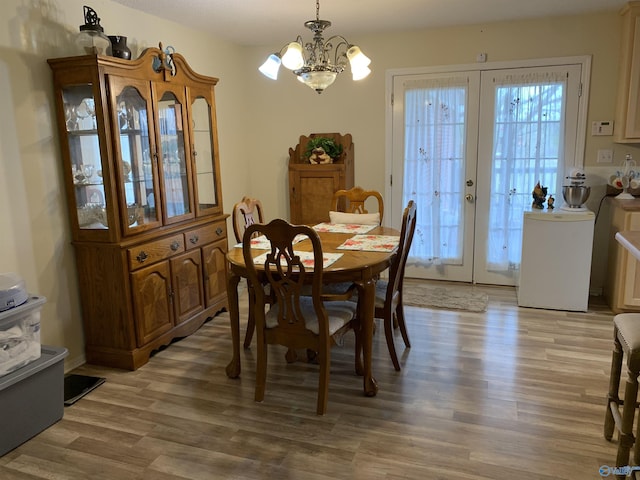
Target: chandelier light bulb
point(356, 58)
point(271, 66)
point(293, 58)
point(360, 73)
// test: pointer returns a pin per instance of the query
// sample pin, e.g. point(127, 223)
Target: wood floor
point(512, 393)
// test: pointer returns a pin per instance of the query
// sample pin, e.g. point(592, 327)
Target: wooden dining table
point(358, 266)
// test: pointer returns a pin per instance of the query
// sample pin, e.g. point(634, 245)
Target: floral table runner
point(343, 227)
point(371, 243)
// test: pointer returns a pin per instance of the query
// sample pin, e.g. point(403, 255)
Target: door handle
point(469, 198)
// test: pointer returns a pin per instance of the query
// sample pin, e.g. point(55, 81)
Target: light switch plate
point(605, 156)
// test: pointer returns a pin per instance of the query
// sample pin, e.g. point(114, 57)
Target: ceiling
point(270, 22)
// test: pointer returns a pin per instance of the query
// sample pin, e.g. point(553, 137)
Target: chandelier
point(318, 62)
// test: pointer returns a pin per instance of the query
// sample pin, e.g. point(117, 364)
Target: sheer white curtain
point(434, 165)
point(529, 120)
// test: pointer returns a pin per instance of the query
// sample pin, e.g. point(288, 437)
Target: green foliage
point(333, 149)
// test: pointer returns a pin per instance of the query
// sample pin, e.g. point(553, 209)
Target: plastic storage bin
point(12, 291)
point(20, 335)
point(32, 398)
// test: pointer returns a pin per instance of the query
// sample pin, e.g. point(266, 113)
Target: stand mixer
point(576, 193)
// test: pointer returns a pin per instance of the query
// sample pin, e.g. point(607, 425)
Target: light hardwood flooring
point(512, 393)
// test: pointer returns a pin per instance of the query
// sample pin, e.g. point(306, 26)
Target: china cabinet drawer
point(204, 235)
point(152, 252)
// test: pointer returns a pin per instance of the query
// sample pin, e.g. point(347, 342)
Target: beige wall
point(34, 231)
point(258, 119)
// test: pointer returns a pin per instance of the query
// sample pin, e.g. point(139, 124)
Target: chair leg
point(358, 351)
point(291, 356)
point(402, 325)
point(628, 414)
point(388, 333)
point(251, 321)
point(261, 368)
point(323, 384)
point(614, 386)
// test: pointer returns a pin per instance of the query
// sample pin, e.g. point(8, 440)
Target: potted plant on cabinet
point(322, 150)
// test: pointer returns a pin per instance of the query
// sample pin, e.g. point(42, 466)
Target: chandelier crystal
point(317, 63)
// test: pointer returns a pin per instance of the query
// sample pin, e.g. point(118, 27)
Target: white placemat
point(343, 227)
point(371, 243)
point(262, 243)
point(305, 257)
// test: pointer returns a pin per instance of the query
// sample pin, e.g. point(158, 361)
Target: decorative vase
point(119, 47)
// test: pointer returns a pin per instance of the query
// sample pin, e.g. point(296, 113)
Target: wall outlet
point(605, 156)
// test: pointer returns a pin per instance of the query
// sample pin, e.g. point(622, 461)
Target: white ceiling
point(269, 22)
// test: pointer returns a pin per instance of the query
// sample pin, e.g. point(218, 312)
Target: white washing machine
point(555, 269)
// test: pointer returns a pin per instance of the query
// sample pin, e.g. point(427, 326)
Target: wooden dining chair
point(294, 320)
point(389, 292)
point(245, 213)
point(353, 201)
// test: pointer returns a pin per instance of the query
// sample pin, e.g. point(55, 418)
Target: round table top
point(351, 264)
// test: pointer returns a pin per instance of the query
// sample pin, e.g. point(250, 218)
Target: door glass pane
point(174, 169)
point(527, 145)
point(434, 169)
point(203, 152)
point(136, 169)
point(84, 151)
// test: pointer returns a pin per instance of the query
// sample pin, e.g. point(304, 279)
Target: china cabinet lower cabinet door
point(152, 303)
point(188, 290)
point(215, 273)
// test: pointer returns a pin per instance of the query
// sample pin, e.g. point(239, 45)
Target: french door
point(468, 147)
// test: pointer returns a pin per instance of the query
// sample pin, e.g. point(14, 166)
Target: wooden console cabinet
point(622, 289)
point(142, 177)
point(311, 187)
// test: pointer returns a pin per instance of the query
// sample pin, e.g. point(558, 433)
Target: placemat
point(262, 243)
point(371, 243)
point(343, 227)
point(305, 257)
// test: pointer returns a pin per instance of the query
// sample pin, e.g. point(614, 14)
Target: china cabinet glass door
point(84, 152)
point(203, 152)
point(175, 170)
point(136, 165)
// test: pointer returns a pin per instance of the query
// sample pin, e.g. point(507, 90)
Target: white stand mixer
point(576, 193)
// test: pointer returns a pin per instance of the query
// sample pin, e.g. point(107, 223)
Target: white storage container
point(12, 291)
point(20, 335)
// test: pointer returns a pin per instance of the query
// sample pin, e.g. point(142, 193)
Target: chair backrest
point(246, 212)
point(353, 201)
point(396, 271)
point(286, 274)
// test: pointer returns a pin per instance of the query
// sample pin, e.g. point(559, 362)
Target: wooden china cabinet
point(142, 177)
point(311, 187)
